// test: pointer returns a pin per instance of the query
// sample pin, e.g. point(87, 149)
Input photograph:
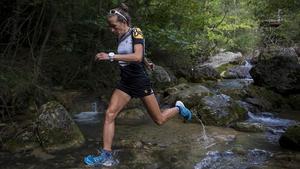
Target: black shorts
point(136, 88)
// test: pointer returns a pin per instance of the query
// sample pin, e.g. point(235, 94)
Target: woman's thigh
point(118, 100)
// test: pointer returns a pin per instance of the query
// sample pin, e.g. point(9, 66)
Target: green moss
point(225, 67)
point(269, 99)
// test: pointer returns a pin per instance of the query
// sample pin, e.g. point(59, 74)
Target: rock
point(249, 127)
point(219, 110)
point(66, 98)
point(297, 49)
point(132, 114)
point(160, 76)
point(39, 153)
point(234, 88)
point(291, 138)
point(278, 70)
point(56, 128)
point(239, 149)
point(224, 58)
point(201, 73)
point(294, 101)
point(238, 72)
point(26, 140)
point(264, 99)
point(190, 94)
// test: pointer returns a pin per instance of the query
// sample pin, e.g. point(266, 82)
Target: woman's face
point(116, 26)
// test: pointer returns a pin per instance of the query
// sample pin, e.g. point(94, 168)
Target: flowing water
point(175, 145)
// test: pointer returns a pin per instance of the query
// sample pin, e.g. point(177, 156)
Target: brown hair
point(123, 9)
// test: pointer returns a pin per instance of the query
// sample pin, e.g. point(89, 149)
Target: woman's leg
point(153, 109)
point(118, 100)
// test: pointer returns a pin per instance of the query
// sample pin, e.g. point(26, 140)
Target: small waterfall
point(89, 116)
point(247, 64)
point(268, 120)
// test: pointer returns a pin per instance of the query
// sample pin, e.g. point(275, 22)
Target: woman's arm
point(137, 56)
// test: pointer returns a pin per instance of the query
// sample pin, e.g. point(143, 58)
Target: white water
point(228, 159)
point(270, 120)
point(89, 116)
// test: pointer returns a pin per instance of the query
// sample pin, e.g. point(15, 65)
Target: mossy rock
point(291, 138)
point(219, 110)
point(249, 127)
point(266, 99)
point(190, 94)
point(56, 128)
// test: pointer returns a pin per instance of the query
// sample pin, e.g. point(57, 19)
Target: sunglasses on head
point(113, 11)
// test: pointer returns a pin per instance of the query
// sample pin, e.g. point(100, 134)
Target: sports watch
point(111, 56)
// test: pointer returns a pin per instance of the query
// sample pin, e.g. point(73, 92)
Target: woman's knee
point(110, 115)
point(159, 121)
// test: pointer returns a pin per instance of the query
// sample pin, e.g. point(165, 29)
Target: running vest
point(131, 70)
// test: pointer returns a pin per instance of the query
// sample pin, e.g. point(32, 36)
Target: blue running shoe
point(183, 111)
point(105, 158)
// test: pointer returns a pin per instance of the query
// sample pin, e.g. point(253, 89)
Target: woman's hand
point(101, 56)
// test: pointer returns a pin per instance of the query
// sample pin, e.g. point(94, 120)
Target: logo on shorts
point(146, 91)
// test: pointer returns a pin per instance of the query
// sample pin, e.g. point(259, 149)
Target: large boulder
point(291, 138)
point(224, 58)
point(219, 110)
point(56, 129)
point(161, 77)
point(278, 70)
point(190, 94)
point(265, 99)
point(204, 72)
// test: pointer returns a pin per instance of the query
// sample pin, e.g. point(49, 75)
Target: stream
point(174, 145)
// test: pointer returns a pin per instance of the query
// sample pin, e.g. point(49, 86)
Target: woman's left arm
point(137, 56)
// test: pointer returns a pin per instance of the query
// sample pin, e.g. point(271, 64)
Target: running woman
point(134, 82)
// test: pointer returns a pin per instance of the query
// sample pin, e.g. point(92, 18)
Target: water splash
point(204, 136)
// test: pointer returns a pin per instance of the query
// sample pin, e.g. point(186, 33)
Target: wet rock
point(219, 110)
point(56, 128)
point(234, 88)
point(237, 72)
point(264, 99)
point(39, 153)
point(201, 73)
point(238, 149)
point(278, 70)
point(190, 94)
point(129, 115)
point(291, 138)
point(249, 127)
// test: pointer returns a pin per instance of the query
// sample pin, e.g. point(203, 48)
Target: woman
point(134, 82)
